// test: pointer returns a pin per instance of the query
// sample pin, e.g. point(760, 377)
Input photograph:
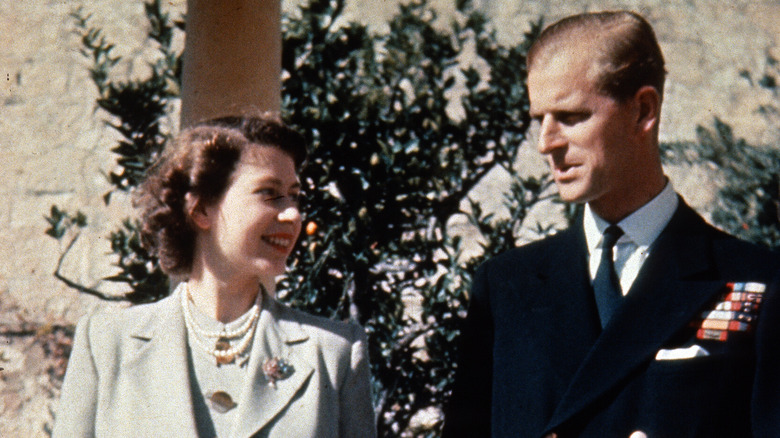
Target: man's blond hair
point(625, 52)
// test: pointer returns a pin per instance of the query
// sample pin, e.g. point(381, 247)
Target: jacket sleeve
point(357, 417)
point(468, 413)
point(766, 387)
point(78, 400)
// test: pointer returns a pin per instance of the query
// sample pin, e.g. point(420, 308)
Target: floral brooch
point(277, 369)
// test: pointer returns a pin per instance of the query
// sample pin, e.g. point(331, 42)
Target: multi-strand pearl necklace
point(223, 351)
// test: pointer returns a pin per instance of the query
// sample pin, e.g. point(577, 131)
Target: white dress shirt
point(640, 229)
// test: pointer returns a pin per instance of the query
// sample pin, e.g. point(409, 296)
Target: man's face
point(585, 135)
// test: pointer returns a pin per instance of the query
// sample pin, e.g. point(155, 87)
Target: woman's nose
point(290, 212)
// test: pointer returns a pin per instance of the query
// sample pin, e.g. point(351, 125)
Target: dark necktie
point(606, 284)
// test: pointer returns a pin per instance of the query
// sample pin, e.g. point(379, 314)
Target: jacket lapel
point(565, 310)
point(279, 338)
point(158, 353)
point(666, 295)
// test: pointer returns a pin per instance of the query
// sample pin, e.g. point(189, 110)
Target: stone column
point(232, 58)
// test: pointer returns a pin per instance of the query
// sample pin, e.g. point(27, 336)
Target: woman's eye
point(273, 195)
point(268, 194)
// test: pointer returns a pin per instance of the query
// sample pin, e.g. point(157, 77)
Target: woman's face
point(251, 230)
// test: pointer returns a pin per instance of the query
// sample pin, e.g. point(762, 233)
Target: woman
point(219, 357)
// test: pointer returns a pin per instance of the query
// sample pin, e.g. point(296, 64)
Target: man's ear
point(648, 103)
point(198, 212)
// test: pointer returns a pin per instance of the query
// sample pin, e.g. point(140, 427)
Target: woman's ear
point(198, 212)
point(648, 103)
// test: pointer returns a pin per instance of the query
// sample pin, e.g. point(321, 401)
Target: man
point(639, 320)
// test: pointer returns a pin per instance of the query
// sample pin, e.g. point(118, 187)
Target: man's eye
point(571, 118)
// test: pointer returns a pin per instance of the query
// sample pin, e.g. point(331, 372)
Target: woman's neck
point(223, 300)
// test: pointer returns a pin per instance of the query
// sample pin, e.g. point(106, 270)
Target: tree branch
point(81, 288)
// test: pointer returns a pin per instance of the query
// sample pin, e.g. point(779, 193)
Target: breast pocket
point(715, 387)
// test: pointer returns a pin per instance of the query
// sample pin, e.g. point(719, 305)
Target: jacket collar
point(564, 309)
point(279, 336)
point(160, 355)
point(663, 299)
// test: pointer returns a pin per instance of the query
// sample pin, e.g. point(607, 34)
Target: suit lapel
point(564, 310)
point(158, 355)
point(665, 297)
point(280, 338)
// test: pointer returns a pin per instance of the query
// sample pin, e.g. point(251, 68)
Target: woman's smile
point(282, 242)
point(260, 201)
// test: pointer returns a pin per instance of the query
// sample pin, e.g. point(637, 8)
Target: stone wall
point(55, 146)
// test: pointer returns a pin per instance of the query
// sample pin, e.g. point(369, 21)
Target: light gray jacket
point(128, 376)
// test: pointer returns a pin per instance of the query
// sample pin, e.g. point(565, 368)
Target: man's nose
point(550, 137)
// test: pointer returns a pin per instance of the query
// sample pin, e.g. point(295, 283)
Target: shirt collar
point(641, 227)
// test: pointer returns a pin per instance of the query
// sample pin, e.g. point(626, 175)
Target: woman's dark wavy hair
point(197, 167)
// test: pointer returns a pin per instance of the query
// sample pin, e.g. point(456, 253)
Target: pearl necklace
point(222, 351)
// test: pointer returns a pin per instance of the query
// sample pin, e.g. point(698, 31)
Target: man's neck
point(617, 206)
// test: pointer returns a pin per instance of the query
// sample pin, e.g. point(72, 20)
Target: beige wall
point(55, 147)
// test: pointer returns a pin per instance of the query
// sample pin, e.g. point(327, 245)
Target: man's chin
point(572, 194)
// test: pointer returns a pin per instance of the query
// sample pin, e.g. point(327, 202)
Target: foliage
point(746, 179)
point(768, 80)
point(61, 221)
point(747, 202)
point(135, 109)
point(390, 166)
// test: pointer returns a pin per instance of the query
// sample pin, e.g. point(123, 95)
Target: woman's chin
point(269, 274)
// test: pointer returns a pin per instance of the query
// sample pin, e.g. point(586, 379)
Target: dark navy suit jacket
point(534, 359)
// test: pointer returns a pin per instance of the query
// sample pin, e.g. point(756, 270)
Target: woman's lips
point(280, 241)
